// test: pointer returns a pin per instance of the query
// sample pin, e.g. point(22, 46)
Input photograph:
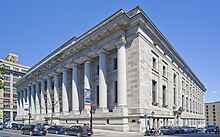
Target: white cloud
point(213, 92)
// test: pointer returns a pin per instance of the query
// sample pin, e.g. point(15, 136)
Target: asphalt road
point(102, 133)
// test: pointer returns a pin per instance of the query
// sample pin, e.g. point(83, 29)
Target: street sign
point(26, 106)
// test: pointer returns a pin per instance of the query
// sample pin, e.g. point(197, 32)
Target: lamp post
point(145, 117)
point(153, 117)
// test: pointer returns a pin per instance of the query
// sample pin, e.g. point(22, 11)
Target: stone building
point(213, 113)
point(8, 96)
point(128, 68)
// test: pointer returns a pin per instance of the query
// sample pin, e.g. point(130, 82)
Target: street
point(103, 133)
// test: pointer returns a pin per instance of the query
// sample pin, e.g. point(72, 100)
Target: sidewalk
point(99, 132)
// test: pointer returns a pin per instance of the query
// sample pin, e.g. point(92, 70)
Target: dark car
point(165, 131)
point(79, 131)
point(179, 130)
point(56, 130)
point(33, 130)
point(171, 129)
point(212, 128)
point(17, 126)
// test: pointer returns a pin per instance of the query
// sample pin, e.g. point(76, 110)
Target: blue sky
point(33, 29)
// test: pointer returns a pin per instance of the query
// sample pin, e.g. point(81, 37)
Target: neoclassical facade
point(132, 72)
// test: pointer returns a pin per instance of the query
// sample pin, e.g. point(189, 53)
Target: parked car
point(44, 124)
point(17, 126)
point(172, 130)
point(56, 130)
point(165, 131)
point(33, 130)
point(179, 130)
point(212, 128)
point(187, 129)
point(79, 131)
point(1, 126)
point(9, 125)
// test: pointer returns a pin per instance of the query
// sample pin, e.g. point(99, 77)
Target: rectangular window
point(174, 78)
point(7, 84)
point(115, 63)
point(183, 101)
point(97, 94)
point(190, 105)
point(116, 92)
point(7, 89)
point(164, 95)
point(6, 95)
point(164, 70)
point(154, 63)
point(15, 79)
point(154, 90)
point(14, 95)
point(16, 68)
point(174, 96)
point(7, 67)
point(7, 78)
point(15, 74)
point(187, 104)
point(23, 70)
point(7, 73)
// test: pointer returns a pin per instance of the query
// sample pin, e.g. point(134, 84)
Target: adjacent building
point(212, 113)
point(8, 96)
point(126, 68)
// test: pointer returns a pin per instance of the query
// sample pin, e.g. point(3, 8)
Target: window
point(7, 73)
point(213, 106)
point(7, 84)
point(213, 113)
point(154, 90)
point(164, 70)
point(24, 70)
point(154, 63)
point(15, 79)
point(7, 67)
point(174, 96)
point(14, 89)
point(183, 101)
point(187, 105)
point(15, 74)
point(97, 91)
point(6, 95)
point(115, 63)
point(213, 109)
point(174, 78)
point(14, 95)
point(190, 105)
point(7, 78)
point(164, 95)
point(116, 92)
point(16, 68)
point(7, 89)
point(214, 120)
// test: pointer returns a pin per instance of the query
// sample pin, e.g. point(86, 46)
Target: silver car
point(1, 126)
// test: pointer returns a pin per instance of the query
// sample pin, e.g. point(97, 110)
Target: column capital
point(121, 42)
point(102, 51)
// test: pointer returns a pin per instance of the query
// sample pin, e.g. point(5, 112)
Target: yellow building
point(213, 113)
point(8, 96)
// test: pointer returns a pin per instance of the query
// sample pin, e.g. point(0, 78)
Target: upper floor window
point(7, 89)
point(7, 83)
point(7, 67)
point(164, 95)
point(15, 74)
point(7, 73)
point(154, 63)
point(16, 68)
point(154, 91)
point(23, 70)
point(174, 96)
point(164, 70)
point(15, 79)
point(115, 63)
point(6, 78)
point(174, 78)
point(97, 70)
point(187, 105)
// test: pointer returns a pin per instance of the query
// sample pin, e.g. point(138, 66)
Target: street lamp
point(145, 117)
point(153, 117)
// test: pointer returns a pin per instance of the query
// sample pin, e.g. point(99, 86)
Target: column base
point(65, 113)
point(57, 114)
point(102, 110)
point(85, 112)
point(75, 112)
point(123, 110)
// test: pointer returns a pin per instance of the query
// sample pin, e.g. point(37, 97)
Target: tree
point(2, 72)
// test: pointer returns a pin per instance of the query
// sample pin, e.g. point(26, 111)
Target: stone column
point(24, 100)
point(75, 95)
point(43, 94)
point(49, 99)
point(37, 99)
point(122, 96)
point(102, 82)
point(56, 94)
point(29, 98)
point(19, 104)
point(65, 102)
point(86, 82)
point(32, 101)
